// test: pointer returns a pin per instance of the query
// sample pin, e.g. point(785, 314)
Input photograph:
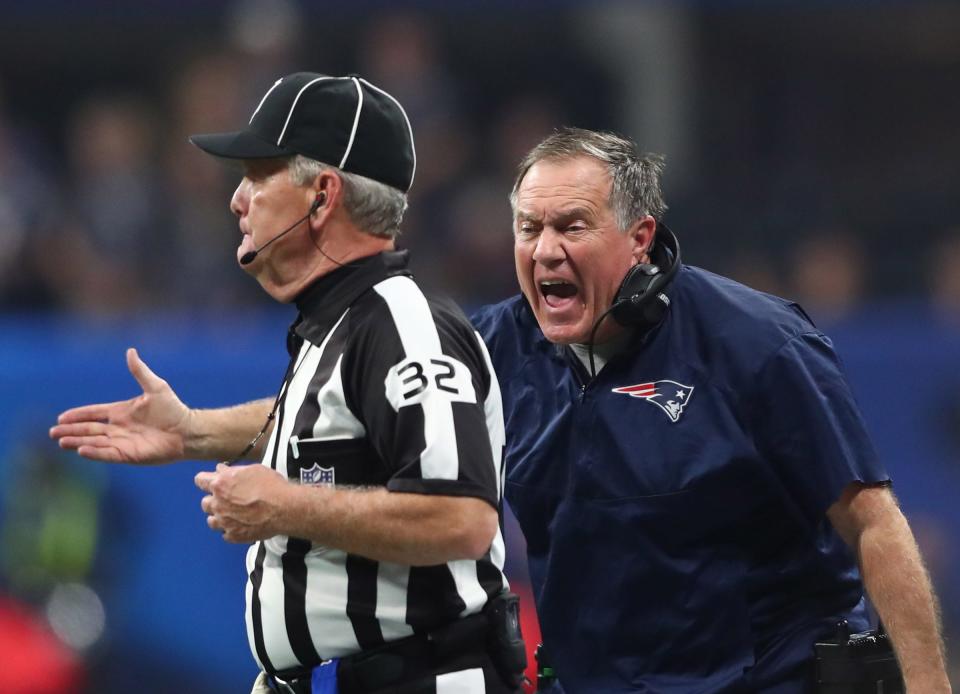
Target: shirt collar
point(605, 351)
point(323, 302)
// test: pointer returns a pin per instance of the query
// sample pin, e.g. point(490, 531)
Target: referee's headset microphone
point(250, 256)
point(641, 301)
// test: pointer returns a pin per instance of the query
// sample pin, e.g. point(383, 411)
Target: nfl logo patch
point(317, 476)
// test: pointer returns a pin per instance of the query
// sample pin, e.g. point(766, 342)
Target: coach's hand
point(149, 429)
point(244, 503)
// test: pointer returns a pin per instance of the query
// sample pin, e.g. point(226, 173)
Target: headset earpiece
point(641, 300)
point(318, 201)
point(634, 303)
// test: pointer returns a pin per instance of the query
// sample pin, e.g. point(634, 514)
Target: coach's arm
point(253, 503)
point(870, 521)
point(156, 427)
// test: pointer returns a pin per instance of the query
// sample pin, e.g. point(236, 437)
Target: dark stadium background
point(813, 151)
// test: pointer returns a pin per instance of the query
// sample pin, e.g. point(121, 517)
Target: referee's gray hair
point(374, 207)
point(635, 176)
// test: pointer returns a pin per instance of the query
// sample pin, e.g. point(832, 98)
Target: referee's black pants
point(473, 674)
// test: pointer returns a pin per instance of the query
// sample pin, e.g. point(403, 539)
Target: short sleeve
point(808, 427)
point(417, 382)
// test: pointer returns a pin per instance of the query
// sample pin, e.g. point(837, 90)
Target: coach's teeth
point(558, 288)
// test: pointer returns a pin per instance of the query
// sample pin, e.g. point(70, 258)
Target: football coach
point(700, 499)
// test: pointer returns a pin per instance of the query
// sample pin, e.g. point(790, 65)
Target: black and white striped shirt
point(386, 388)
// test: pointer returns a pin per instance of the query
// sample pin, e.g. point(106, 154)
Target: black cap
point(342, 121)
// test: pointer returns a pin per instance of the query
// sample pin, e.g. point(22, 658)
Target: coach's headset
point(641, 301)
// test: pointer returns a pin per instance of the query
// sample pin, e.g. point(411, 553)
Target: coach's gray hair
point(635, 189)
point(374, 207)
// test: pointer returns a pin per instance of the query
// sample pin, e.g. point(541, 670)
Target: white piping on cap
point(413, 148)
point(257, 110)
point(294, 104)
point(356, 122)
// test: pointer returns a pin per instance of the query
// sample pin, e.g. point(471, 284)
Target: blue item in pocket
point(324, 677)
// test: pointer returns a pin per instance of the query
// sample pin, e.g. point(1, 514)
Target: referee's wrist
point(194, 443)
point(301, 511)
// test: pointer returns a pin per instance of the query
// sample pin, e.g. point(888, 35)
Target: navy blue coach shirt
point(674, 506)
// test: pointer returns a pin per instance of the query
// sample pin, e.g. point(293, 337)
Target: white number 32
point(414, 380)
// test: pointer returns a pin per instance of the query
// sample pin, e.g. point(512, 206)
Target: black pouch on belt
point(504, 641)
point(855, 663)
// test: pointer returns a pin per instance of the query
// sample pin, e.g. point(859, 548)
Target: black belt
point(403, 660)
point(853, 663)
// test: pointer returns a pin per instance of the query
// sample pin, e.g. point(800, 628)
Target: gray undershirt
point(602, 353)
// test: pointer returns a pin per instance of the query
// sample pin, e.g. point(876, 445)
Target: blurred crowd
point(108, 210)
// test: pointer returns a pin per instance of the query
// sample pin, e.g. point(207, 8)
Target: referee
point(376, 557)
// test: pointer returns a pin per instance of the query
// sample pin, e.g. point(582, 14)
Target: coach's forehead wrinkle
point(579, 181)
point(573, 191)
point(569, 208)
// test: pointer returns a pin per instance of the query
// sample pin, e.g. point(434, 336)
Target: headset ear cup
point(642, 299)
point(655, 309)
point(631, 305)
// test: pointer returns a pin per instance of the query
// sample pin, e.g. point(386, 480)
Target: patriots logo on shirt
point(317, 476)
point(669, 396)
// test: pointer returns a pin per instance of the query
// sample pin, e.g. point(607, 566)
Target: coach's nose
point(549, 249)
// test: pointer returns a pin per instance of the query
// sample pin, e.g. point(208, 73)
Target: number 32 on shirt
point(414, 380)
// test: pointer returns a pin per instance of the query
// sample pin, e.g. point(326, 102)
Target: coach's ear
point(642, 233)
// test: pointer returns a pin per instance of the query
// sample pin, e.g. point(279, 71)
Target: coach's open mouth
point(558, 293)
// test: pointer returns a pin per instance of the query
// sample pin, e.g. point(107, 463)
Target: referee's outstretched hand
point(149, 429)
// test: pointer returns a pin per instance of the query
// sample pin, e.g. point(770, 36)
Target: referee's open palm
point(146, 430)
